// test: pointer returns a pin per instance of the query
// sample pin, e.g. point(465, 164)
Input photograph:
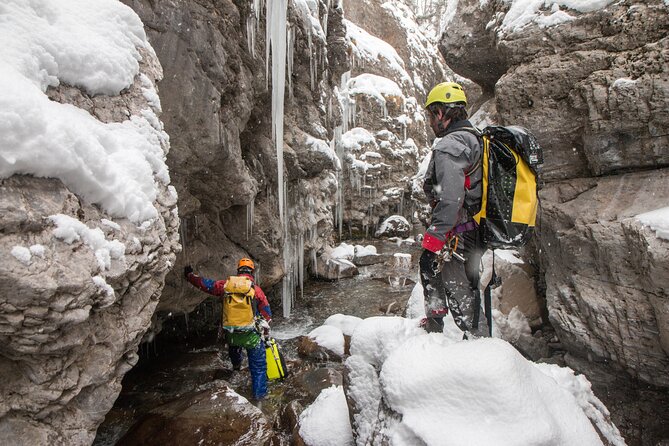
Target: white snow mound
point(480, 392)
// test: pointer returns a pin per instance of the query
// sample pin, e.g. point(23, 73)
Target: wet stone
point(214, 416)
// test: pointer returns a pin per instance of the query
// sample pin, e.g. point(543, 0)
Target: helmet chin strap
point(442, 126)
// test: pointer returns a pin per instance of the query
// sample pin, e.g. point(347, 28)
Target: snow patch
point(546, 13)
point(367, 47)
point(345, 323)
point(458, 390)
point(70, 230)
point(22, 254)
point(325, 422)
point(330, 337)
point(657, 220)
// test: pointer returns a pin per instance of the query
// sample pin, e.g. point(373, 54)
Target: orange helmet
point(246, 263)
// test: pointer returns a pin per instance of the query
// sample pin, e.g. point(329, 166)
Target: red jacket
point(215, 287)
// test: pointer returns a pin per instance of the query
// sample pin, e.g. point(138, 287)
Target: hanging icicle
point(252, 23)
point(250, 215)
point(276, 38)
point(291, 57)
point(347, 106)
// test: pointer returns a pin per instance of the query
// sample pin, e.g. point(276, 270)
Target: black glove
point(187, 270)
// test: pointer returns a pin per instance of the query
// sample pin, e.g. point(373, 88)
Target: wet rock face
point(594, 91)
point(66, 338)
point(388, 136)
point(208, 96)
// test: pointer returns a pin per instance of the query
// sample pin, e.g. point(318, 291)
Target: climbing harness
point(449, 252)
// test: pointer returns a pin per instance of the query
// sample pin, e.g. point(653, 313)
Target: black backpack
point(509, 202)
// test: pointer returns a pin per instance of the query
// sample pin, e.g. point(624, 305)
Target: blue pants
point(257, 367)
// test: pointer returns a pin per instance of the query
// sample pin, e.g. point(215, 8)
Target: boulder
point(217, 415)
point(310, 381)
point(394, 226)
point(308, 348)
point(334, 269)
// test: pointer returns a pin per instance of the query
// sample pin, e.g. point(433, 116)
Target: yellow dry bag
point(511, 160)
point(276, 366)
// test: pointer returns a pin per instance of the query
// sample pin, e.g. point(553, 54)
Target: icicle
point(287, 284)
point(312, 63)
point(251, 34)
point(339, 198)
point(250, 215)
point(252, 23)
point(347, 112)
point(276, 36)
point(291, 56)
point(324, 25)
point(182, 235)
point(300, 269)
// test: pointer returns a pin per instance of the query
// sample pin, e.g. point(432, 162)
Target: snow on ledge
point(657, 220)
point(546, 13)
point(93, 45)
point(378, 87)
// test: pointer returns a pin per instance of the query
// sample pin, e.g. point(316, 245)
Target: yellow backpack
point(238, 304)
point(511, 160)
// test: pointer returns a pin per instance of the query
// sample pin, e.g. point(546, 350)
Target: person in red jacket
point(249, 340)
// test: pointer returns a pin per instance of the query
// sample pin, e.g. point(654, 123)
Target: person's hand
point(187, 270)
point(263, 326)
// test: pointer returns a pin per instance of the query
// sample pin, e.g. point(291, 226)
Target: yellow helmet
point(447, 93)
point(246, 262)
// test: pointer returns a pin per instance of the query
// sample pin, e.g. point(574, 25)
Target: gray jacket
point(454, 155)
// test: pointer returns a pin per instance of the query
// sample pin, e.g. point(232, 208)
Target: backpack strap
point(476, 132)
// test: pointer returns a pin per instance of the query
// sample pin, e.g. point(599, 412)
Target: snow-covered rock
point(86, 209)
point(325, 422)
point(394, 226)
point(407, 387)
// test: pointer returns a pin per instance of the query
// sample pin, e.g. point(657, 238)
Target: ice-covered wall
point(221, 108)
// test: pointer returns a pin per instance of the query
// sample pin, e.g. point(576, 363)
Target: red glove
point(432, 243)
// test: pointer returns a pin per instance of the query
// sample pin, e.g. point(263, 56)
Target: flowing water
point(186, 355)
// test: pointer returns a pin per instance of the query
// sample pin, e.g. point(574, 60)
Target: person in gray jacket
point(453, 188)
